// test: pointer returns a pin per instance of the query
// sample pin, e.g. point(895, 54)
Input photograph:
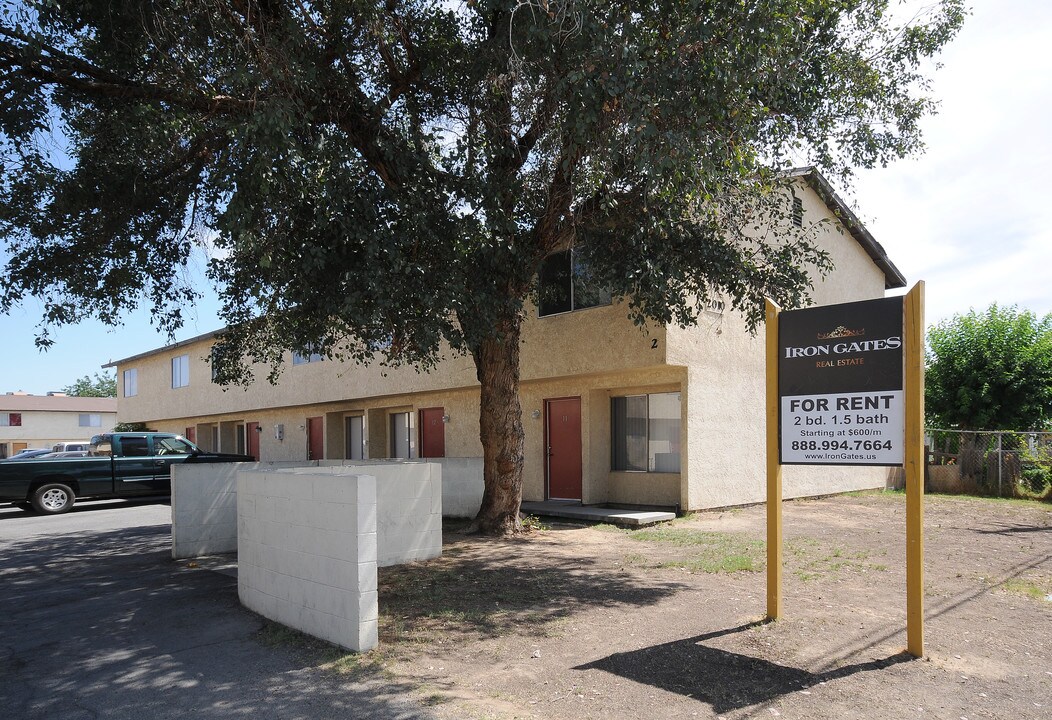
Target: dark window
point(798, 212)
point(566, 283)
point(135, 447)
point(16, 419)
point(645, 433)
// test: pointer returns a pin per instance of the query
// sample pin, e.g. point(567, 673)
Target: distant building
point(40, 421)
point(671, 417)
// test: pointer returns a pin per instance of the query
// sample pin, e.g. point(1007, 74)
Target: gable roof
point(893, 277)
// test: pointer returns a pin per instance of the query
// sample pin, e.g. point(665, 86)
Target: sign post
point(914, 470)
point(845, 386)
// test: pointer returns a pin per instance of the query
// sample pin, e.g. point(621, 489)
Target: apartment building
point(40, 421)
point(662, 416)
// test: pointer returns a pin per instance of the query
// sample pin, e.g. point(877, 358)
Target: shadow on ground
point(105, 624)
point(487, 587)
point(725, 680)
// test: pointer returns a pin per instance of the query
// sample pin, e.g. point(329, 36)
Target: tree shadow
point(106, 624)
point(725, 680)
point(489, 587)
point(1006, 529)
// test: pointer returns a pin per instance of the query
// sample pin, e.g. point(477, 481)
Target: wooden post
point(914, 461)
point(774, 471)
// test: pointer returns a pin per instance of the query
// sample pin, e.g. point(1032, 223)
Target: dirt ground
point(596, 622)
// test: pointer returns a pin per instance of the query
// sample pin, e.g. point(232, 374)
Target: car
point(30, 453)
point(64, 454)
point(74, 445)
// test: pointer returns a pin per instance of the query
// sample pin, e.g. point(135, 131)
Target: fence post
point(1000, 464)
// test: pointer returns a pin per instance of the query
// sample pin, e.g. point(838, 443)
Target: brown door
point(563, 430)
point(191, 434)
point(315, 439)
point(252, 440)
point(432, 433)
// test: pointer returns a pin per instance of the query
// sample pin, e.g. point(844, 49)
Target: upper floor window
point(131, 383)
point(566, 283)
point(308, 356)
point(10, 419)
point(89, 420)
point(180, 371)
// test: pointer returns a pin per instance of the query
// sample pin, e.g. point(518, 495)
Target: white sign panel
point(843, 428)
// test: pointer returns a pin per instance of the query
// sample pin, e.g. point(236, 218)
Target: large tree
point(385, 178)
point(990, 370)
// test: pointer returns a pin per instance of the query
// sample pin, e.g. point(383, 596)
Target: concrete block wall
point(461, 485)
point(204, 506)
point(409, 499)
point(307, 551)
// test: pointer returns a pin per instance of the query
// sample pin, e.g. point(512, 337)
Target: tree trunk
point(500, 429)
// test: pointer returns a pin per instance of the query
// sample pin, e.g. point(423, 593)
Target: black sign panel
point(840, 384)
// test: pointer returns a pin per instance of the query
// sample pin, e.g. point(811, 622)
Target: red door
point(432, 433)
point(252, 440)
point(315, 439)
point(563, 430)
point(191, 434)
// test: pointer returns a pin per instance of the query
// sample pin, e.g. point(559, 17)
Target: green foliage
point(101, 385)
point(391, 175)
point(131, 427)
point(990, 370)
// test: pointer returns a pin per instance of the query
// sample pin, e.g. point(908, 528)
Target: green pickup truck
point(119, 465)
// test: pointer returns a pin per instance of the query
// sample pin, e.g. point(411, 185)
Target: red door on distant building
point(432, 433)
point(191, 434)
point(315, 439)
point(252, 440)
point(563, 443)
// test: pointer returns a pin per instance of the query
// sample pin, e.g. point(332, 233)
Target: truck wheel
point(52, 499)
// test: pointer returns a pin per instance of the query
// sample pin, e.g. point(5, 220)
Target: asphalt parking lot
point(98, 621)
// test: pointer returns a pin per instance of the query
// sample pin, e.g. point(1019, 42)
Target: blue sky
point(971, 217)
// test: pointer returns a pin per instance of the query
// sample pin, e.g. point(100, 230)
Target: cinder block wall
point(204, 506)
point(409, 501)
point(462, 484)
point(307, 551)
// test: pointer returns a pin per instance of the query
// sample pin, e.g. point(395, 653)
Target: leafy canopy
point(990, 370)
point(101, 385)
point(390, 175)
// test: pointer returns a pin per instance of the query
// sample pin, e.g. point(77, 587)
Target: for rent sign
point(840, 384)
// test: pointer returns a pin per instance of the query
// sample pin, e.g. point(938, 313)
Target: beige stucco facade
point(41, 421)
point(595, 354)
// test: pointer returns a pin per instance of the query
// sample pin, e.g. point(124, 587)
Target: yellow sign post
point(774, 472)
point(914, 461)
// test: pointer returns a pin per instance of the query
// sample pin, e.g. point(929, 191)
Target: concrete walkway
point(592, 513)
point(97, 621)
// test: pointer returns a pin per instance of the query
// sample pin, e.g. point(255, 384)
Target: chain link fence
point(1004, 464)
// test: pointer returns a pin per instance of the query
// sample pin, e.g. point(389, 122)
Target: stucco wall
point(726, 404)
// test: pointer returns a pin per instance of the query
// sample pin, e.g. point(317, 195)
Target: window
point(89, 420)
point(131, 383)
point(355, 438)
point(135, 447)
point(180, 371)
point(173, 446)
point(566, 284)
point(10, 419)
point(308, 356)
point(798, 212)
point(645, 433)
point(400, 429)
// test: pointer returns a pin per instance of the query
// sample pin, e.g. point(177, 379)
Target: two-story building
point(663, 416)
point(40, 421)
